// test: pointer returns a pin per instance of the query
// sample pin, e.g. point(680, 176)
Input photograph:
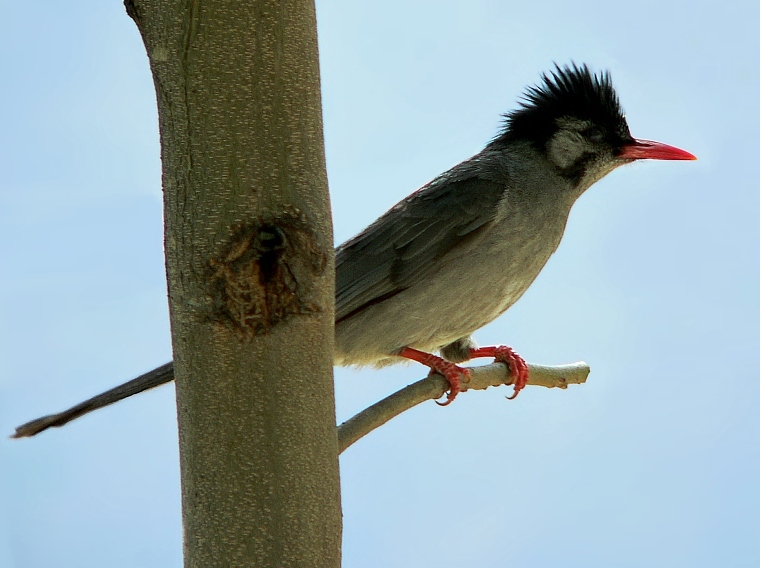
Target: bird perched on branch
point(461, 250)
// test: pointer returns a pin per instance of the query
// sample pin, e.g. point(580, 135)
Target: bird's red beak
point(648, 150)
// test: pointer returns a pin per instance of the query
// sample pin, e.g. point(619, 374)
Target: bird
point(461, 250)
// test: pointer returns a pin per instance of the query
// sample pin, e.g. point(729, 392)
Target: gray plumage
point(451, 257)
point(457, 253)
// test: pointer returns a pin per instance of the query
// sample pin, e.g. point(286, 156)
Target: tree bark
point(249, 256)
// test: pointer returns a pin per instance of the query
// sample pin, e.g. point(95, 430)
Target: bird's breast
point(468, 289)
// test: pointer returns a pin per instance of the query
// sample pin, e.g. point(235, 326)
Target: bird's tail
point(151, 379)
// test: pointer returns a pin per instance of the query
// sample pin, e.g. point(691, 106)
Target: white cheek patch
point(564, 149)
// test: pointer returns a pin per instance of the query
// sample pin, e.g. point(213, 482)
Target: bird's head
point(575, 119)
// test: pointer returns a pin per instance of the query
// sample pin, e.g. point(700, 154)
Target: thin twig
point(434, 386)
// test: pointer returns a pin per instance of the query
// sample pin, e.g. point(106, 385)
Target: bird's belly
point(464, 294)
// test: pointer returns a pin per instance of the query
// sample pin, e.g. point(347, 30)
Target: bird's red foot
point(516, 364)
point(451, 372)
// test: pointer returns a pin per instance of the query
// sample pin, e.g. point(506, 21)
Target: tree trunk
point(249, 258)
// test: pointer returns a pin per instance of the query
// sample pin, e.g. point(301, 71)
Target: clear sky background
point(653, 462)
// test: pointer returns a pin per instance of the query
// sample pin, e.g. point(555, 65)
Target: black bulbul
point(459, 251)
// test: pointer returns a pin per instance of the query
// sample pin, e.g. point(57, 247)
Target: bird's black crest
point(569, 91)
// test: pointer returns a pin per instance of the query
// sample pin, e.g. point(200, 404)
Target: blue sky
point(653, 462)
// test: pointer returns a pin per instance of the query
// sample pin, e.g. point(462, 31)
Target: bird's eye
point(595, 134)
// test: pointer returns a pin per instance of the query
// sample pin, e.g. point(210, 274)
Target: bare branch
point(434, 386)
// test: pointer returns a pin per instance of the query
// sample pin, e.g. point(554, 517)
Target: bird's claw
point(454, 374)
point(517, 366)
point(451, 372)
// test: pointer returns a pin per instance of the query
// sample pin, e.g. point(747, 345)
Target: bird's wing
point(411, 240)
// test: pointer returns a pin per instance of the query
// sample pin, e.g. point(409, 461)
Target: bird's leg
point(516, 364)
point(451, 372)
